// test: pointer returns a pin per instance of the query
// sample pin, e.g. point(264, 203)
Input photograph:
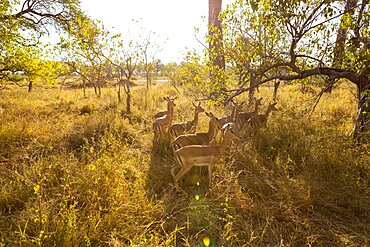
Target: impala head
point(170, 102)
point(237, 106)
point(258, 101)
point(198, 108)
point(229, 130)
point(214, 121)
point(272, 107)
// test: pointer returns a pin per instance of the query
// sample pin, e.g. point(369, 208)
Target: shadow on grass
point(190, 216)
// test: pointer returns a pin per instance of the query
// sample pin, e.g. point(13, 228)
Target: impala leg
point(182, 172)
point(209, 174)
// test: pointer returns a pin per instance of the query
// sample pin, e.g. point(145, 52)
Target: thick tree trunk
point(215, 34)
point(349, 9)
point(362, 121)
point(216, 54)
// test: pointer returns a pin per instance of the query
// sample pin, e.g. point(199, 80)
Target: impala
point(202, 155)
point(161, 124)
point(243, 117)
point(258, 121)
point(233, 118)
point(199, 138)
point(161, 113)
point(190, 126)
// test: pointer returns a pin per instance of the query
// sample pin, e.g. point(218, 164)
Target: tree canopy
point(293, 40)
point(23, 23)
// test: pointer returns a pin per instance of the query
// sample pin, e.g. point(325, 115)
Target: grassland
point(76, 171)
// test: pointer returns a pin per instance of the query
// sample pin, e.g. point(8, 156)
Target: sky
point(173, 21)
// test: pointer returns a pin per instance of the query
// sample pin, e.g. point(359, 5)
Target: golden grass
point(77, 171)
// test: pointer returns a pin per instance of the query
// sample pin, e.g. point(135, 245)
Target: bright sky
point(173, 20)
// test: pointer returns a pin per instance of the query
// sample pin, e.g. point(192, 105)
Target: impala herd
point(195, 149)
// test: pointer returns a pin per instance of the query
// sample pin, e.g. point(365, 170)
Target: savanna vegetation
point(78, 164)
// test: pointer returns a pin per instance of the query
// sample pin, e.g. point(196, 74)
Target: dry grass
point(77, 171)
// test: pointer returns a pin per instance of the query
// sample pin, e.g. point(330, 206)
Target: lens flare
point(206, 241)
point(195, 179)
point(197, 197)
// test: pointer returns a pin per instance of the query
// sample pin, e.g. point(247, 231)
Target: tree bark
point(340, 41)
point(362, 121)
point(128, 97)
point(84, 87)
point(216, 53)
point(30, 86)
point(119, 91)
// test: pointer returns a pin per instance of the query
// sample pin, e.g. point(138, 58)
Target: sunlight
point(173, 21)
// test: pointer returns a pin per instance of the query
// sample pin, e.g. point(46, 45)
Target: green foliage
point(291, 40)
point(22, 53)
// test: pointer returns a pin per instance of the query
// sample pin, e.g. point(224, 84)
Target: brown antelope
point(199, 138)
point(233, 118)
point(189, 127)
point(161, 113)
point(202, 155)
point(260, 121)
point(243, 117)
point(161, 124)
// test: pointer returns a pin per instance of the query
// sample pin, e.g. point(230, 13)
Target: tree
point(125, 59)
point(22, 25)
point(148, 50)
point(84, 51)
point(339, 48)
point(296, 42)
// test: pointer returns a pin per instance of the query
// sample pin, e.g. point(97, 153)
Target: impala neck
point(169, 110)
point(256, 107)
point(268, 112)
point(226, 140)
point(195, 120)
point(211, 131)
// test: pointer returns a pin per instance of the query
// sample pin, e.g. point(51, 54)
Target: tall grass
point(77, 171)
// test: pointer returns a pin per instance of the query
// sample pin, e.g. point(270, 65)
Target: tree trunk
point(215, 33)
point(119, 91)
point(84, 87)
point(362, 121)
point(128, 97)
point(147, 80)
point(99, 88)
point(251, 92)
point(276, 87)
point(216, 54)
point(30, 86)
point(340, 41)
